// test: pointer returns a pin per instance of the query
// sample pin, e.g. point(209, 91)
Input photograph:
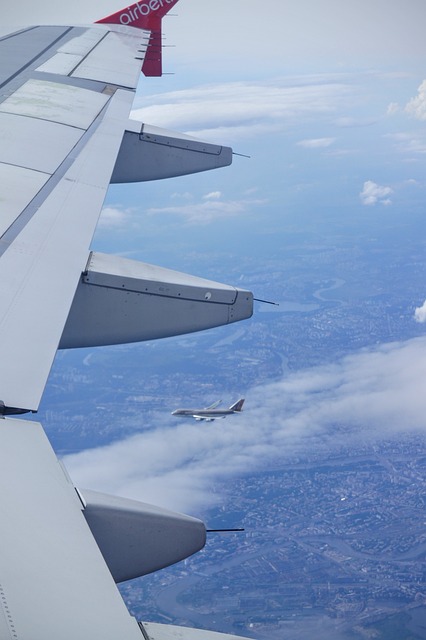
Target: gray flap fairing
point(151, 153)
point(136, 538)
point(120, 301)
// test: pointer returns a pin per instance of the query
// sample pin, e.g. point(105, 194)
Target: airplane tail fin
point(237, 406)
point(146, 14)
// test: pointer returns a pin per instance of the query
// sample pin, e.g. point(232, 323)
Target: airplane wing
point(66, 95)
point(64, 108)
point(214, 405)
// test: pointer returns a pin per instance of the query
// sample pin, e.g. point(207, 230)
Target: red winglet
point(146, 14)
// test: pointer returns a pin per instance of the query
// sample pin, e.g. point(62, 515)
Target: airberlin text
point(141, 9)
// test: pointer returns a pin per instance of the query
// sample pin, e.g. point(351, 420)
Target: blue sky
point(353, 139)
point(324, 97)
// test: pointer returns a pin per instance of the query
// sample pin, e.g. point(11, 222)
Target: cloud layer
point(417, 106)
point(316, 143)
point(420, 313)
point(182, 464)
point(373, 193)
point(245, 109)
point(211, 207)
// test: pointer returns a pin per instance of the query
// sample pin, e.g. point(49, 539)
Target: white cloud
point(211, 207)
point(214, 195)
point(417, 105)
point(352, 122)
point(113, 217)
point(316, 143)
point(244, 108)
point(186, 195)
point(393, 108)
point(420, 313)
point(363, 398)
point(373, 193)
point(409, 142)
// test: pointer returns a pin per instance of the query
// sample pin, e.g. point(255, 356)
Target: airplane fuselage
point(210, 413)
point(203, 413)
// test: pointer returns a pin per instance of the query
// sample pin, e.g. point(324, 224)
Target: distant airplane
point(210, 413)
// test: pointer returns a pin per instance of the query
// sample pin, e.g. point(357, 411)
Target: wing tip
point(146, 14)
